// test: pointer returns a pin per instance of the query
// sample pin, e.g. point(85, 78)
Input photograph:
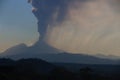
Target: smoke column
point(80, 26)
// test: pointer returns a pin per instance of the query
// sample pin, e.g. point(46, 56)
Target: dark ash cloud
point(85, 26)
point(48, 12)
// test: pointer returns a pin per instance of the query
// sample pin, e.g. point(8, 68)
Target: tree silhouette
point(86, 73)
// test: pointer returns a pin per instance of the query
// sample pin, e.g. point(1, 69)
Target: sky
point(17, 24)
point(90, 26)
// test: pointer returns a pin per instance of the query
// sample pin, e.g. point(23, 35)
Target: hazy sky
point(17, 23)
point(91, 26)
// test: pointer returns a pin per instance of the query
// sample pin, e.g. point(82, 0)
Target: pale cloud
point(90, 27)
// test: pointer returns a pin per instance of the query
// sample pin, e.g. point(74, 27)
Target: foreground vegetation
point(37, 69)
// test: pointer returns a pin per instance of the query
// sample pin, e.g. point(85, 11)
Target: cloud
point(82, 26)
point(49, 12)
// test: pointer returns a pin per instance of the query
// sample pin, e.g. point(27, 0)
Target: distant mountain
point(20, 48)
point(38, 48)
point(107, 56)
point(42, 47)
point(51, 55)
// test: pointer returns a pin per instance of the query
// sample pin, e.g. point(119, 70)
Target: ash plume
point(79, 26)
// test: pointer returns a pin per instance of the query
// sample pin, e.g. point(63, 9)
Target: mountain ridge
point(22, 51)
